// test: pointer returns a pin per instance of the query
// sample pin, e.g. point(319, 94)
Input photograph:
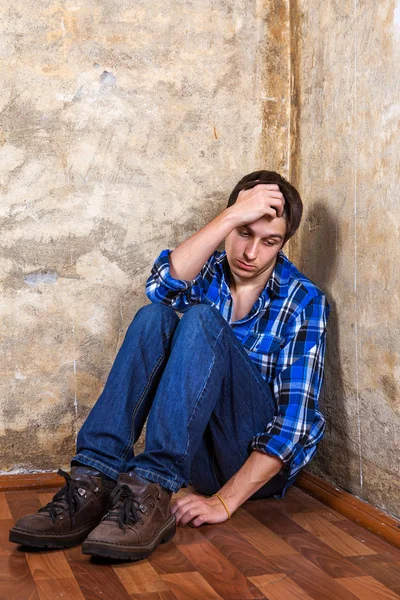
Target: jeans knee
point(199, 309)
point(200, 312)
point(154, 308)
point(151, 314)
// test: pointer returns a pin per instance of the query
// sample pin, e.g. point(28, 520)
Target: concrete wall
point(347, 168)
point(124, 128)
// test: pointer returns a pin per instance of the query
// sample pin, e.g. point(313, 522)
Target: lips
point(243, 265)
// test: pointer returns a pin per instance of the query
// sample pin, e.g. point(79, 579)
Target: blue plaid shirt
point(284, 334)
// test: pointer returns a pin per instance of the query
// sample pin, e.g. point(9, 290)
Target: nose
point(251, 251)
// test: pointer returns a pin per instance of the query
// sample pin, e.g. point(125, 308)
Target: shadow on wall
point(315, 254)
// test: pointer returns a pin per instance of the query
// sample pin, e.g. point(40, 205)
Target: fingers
point(181, 502)
point(184, 510)
point(186, 513)
point(275, 207)
point(278, 195)
point(198, 521)
point(265, 187)
point(263, 199)
point(195, 511)
point(185, 500)
point(269, 186)
point(263, 190)
point(271, 206)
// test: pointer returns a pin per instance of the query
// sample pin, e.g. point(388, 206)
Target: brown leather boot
point(72, 513)
point(139, 518)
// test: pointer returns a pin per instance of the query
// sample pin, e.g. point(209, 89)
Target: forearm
point(258, 469)
point(187, 260)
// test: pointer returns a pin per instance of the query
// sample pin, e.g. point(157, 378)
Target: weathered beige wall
point(123, 129)
point(124, 126)
point(347, 167)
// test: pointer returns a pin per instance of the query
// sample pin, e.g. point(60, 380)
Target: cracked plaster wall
point(123, 129)
point(347, 168)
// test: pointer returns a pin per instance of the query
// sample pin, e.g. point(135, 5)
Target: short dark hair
point(293, 205)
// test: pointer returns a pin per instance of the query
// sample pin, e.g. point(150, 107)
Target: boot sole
point(106, 550)
point(25, 538)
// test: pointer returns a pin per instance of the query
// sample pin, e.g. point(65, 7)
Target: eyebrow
point(267, 237)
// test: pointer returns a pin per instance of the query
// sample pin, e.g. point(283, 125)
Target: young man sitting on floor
point(230, 389)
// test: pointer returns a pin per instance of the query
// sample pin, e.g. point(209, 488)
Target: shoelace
point(122, 507)
point(68, 495)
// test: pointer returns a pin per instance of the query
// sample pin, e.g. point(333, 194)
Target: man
point(230, 389)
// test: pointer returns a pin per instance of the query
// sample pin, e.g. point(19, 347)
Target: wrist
point(223, 504)
point(231, 217)
point(229, 501)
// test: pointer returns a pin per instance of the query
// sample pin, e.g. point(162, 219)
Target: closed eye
point(244, 233)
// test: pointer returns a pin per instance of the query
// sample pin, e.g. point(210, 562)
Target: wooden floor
point(295, 549)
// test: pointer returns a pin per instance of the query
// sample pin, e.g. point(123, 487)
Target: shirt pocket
point(265, 343)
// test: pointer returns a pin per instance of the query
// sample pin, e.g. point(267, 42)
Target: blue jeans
point(203, 396)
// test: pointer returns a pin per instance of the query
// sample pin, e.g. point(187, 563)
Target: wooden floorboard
point(290, 549)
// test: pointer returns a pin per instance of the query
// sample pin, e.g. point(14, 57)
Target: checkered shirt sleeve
point(178, 294)
point(293, 433)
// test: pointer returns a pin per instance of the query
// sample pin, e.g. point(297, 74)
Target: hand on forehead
point(257, 182)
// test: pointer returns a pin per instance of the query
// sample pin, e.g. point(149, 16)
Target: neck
point(251, 285)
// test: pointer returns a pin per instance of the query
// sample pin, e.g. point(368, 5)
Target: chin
point(243, 273)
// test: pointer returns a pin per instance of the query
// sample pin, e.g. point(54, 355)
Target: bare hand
point(263, 200)
point(198, 509)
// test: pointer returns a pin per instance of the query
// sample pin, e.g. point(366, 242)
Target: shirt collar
point(278, 282)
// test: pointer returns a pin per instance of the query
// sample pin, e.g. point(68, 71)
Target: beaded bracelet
point(226, 508)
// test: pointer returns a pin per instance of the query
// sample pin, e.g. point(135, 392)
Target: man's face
point(256, 244)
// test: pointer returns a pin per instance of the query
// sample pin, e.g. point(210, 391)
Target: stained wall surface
point(347, 164)
point(124, 127)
